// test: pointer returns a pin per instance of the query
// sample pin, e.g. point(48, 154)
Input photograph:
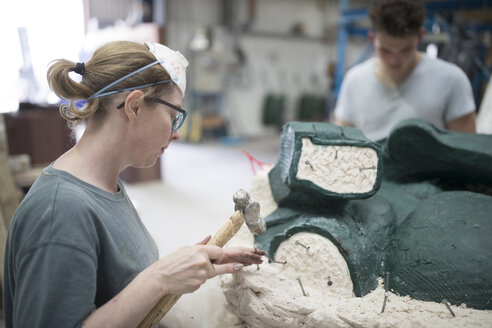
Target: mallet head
point(251, 211)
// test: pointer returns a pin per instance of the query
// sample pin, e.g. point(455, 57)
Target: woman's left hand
point(243, 255)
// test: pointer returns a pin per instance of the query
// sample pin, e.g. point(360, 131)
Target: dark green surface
point(290, 191)
point(273, 109)
point(311, 107)
point(423, 151)
point(441, 239)
point(361, 230)
point(443, 250)
point(405, 197)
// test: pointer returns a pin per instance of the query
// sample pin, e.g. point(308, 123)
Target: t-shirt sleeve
point(344, 109)
point(461, 101)
point(55, 287)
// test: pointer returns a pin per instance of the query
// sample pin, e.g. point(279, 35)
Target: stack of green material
point(273, 109)
point(311, 107)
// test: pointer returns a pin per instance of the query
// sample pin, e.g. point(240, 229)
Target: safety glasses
point(177, 121)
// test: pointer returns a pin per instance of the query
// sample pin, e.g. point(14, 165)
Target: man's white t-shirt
point(436, 91)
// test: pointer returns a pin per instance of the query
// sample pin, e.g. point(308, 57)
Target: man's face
point(397, 54)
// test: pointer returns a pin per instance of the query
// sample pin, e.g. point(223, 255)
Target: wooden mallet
point(247, 210)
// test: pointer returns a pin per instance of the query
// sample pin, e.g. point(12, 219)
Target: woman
point(77, 252)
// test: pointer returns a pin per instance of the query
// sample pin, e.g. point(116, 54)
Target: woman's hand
point(242, 255)
point(187, 268)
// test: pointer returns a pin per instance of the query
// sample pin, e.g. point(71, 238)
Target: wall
point(275, 61)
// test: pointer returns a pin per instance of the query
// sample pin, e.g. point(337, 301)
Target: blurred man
point(401, 82)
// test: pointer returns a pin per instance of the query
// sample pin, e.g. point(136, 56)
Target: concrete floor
point(192, 201)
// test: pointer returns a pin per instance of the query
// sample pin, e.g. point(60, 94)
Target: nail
point(449, 308)
point(387, 282)
point(256, 252)
point(386, 294)
point(238, 267)
point(367, 168)
point(329, 281)
point(308, 163)
point(300, 284)
point(273, 261)
point(304, 246)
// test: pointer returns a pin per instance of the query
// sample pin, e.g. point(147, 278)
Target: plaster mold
point(321, 267)
point(320, 164)
point(271, 298)
point(339, 169)
point(428, 226)
point(260, 187)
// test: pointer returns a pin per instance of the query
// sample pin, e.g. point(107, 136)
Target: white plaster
point(322, 261)
point(271, 297)
point(260, 191)
point(340, 169)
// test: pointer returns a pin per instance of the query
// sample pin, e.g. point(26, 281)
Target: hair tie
point(79, 68)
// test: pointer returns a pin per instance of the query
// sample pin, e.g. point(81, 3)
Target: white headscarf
point(172, 61)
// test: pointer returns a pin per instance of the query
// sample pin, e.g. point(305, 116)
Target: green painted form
point(361, 230)
point(443, 250)
point(423, 151)
point(435, 242)
point(405, 197)
point(287, 189)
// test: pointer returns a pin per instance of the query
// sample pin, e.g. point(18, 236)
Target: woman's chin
point(147, 164)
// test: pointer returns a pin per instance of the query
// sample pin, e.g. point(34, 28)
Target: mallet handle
point(223, 235)
point(227, 230)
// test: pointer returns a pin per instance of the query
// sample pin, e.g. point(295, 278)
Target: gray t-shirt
point(71, 247)
point(436, 91)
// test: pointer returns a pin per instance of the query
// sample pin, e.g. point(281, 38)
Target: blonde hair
point(108, 63)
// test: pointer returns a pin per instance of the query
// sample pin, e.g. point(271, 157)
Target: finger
point(243, 255)
point(210, 270)
point(214, 252)
point(251, 250)
point(227, 268)
point(258, 251)
point(204, 241)
point(246, 258)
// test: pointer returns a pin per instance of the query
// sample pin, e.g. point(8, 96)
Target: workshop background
point(254, 65)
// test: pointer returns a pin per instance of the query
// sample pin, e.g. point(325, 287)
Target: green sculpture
point(426, 218)
point(320, 163)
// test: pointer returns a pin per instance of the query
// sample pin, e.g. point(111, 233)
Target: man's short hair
point(397, 18)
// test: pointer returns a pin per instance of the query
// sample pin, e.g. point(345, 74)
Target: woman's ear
point(133, 103)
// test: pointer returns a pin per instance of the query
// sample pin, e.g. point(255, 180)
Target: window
point(47, 30)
